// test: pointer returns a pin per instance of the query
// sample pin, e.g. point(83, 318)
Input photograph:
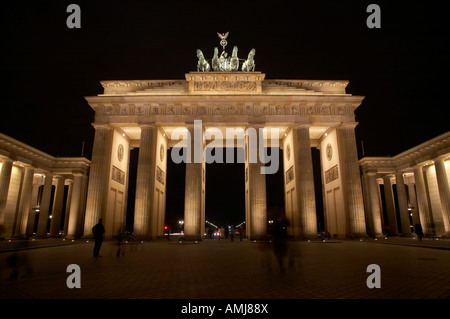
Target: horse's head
point(200, 55)
point(251, 54)
point(235, 52)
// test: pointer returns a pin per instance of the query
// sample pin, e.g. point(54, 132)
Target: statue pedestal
point(225, 82)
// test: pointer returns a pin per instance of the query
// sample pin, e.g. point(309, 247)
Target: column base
point(190, 238)
point(41, 237)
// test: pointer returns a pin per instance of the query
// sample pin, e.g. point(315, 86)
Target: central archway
point(225, 192)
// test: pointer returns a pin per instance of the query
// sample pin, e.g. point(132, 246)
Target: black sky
point(48, 68)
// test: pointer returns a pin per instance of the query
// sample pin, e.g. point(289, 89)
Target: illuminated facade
point(408, 189)
point(45, 196)
point(304, 113)
point(40, 195)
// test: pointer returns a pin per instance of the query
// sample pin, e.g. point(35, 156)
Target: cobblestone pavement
point(231, 270)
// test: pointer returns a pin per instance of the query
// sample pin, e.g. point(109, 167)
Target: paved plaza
point(223, 269)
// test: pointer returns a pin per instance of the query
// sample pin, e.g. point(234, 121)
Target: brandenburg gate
point(225, 93)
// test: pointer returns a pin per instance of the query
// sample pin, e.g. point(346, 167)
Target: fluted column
point(413, 202)
point(57, 207)
point(5, 178)
point(24, 203)
point(98, 177)
point(44, 209)
point(193, 198)
point(348, 158)
point(68, 204)
point(75, 206)
point(390, 206)
point(375, 207)
point(304, 181)
point(145, 182)
point(34, 205)
point(257, 186)
point(444, 192)
point(402, 204)
point(426, 219)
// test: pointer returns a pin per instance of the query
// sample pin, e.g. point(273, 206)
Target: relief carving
point(201, 110)
point(331, 174)
point(242, 86)
point(170, 110)
point(290, 175)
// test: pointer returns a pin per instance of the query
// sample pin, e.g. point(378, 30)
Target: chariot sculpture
point(223, 62)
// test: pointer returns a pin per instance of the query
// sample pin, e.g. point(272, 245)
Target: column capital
point(255, 123)
point(145, 125)
point(371, 171)
point(99, 126)
point(302, 125)
point(399, 173)
point(49, 174)
point(348, 125)
point(6, 159)
point(441, 157)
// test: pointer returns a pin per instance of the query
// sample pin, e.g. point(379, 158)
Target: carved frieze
point(160, 175)
point(253, 109)
point(226, 86)
point(290, 175)
point(331, 174)
point(118, 175)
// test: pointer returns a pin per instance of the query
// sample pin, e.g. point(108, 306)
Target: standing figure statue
point(223, 61)
point(202, 64)
point(235, 60)
point(249, 64)
point(215, 60)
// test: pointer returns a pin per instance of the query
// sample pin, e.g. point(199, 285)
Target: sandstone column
point(413, 202)
point(304, 181)
point(24, 203)
point(34, 205)
point(193, 199)
point(426, 220)
point(44, 209)
point(57, 207)
point(444, 192)
point(145, 182)
point(256, 216)
point(348, 160)
point(375, 207)
point(390, 206)
point(5, 178)
point(402, 204)
point(75, 210)
point(98, 177)
point(68, 204)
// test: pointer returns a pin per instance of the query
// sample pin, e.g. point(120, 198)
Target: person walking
point(419, 231)
point(98, 230)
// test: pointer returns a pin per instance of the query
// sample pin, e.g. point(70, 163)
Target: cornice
point(422, 154)
point(27, 155)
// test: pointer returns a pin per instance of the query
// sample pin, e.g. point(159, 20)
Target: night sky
point(47, 68)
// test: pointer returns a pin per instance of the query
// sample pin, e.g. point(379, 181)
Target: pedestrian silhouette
point(232, 231)
point(419, 231)
point(98, 230)
point(19, 262)
point(279, 240)
point(120, 240)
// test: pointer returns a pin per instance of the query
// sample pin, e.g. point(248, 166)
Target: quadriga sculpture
point(249, 64)
point(202, 64)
